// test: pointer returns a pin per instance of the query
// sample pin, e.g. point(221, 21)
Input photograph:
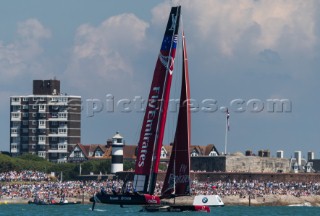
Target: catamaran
point(177, 180)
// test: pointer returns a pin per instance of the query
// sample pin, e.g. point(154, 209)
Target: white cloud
point(20, 58)
point(105, 53)
point(279, 25)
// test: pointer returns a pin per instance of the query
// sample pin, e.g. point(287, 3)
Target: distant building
point(310, 155)
point(46, 123)
point(280, 154)
point(297, 156)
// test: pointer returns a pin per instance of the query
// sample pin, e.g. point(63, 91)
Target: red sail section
point(177, 180)
point(152, 130)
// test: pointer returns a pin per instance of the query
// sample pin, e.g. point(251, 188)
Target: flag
point(228, 116)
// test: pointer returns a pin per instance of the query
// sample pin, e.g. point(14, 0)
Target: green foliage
point(128, 165)
point(96, 166)
point(70, 170)
point(31, 157)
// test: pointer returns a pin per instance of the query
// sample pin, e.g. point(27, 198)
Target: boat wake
point(98, 210)
point(306, 204)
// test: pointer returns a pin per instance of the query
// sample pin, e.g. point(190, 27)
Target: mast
point(152, 130)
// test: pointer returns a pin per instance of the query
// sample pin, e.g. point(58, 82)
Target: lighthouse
point(117, 153)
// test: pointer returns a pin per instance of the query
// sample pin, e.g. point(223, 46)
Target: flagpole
point(227, 129)
point(226, 138)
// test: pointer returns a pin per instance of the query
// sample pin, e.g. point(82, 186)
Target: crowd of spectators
point(26, 175)
point(30, 184)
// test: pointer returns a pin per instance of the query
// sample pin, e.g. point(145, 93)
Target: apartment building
point(46, 123)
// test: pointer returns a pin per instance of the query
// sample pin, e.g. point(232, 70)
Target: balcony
point(61, 116)
point(60, 149)
point(15, 101)
point(42, 142)
point(15, 134)
point(15, 116)
point(58, 101)
point(42, 124)
point(42, 108)
point(62, 160)
point(42, 154)
point(14, 148)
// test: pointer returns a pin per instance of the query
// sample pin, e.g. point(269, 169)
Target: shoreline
point(232, 200)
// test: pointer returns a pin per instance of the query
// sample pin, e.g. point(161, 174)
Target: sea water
point(110, 210)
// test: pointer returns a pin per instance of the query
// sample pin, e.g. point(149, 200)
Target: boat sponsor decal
point(151, 199)
point(204, 199)
point(125, 198)
point(114, 198)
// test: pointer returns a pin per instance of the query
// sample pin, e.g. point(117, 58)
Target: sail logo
point(168, 61)
point(183, 168)
point(152, 113)
point(178, 179)
point(173, 22)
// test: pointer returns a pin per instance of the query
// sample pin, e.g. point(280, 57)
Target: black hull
point(124, 199)
point(58, 203)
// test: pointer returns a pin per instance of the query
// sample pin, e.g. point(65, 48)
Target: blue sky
point(248, 51)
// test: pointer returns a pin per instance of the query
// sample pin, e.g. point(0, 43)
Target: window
point(119, 140)
point(25, 130)
point(41, 99)
point(42, 107)
point(62, 140)
point(25, 107)
point(14, 130)
point(16, 108)
point(15, 115)
point(33, 138)
point(62, 115)
point(34, 107)
point(77, 154)
point(34, 130)
point(34, 114)
point(62, 131)
point(42, 138)
point(53, 130)
point(42, 123)
point(213, 153)
point(98, 153)
point(34, 122)
point(25, 99)
point(15, 99)
point(25, 122)
point(194, 153)
point(25, 115)
point(54, 123)
point(15, 124)
point(53, 138)
point(15, 139)
point(42, 154)
point(24, 138)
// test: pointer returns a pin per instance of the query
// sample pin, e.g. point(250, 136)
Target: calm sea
point(75, 210)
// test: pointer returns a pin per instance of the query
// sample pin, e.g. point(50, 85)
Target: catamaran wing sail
point(177, 180)
point(152, 130)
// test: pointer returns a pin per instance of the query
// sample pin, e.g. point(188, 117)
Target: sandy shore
point(267, 200)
